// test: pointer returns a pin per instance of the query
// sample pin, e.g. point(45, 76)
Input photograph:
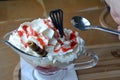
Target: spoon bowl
point(82, 23)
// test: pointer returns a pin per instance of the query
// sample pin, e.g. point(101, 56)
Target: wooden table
point(106, 45)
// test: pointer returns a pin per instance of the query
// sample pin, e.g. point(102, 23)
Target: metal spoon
point(83, 24)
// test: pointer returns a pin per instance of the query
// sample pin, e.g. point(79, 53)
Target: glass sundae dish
point(40, 44)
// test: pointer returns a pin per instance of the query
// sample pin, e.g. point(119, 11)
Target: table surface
point(14, 12)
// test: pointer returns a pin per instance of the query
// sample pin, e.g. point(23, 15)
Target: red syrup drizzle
point(29, 32)
point(56, 32)
point(32, 32)
point(72, 38)
point(72, 44)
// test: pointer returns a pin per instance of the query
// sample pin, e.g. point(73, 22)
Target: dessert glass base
point(57, 76)
point(46, 66)
point(27, 72)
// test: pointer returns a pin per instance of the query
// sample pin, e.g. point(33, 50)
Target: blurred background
point(15, 12)
point(17, 9)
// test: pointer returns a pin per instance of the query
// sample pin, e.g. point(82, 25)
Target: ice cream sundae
point(49, 47)
point(40, 38)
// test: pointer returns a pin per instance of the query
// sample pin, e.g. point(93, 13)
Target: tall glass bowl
point(45, 68)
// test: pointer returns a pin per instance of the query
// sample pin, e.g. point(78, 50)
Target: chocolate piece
point(37, 49)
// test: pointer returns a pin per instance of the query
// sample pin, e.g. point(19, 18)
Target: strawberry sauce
point(46, 69)
point(72, 44)
point(29, 31)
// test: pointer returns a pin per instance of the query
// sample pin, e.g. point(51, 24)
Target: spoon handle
point(107, 30)
point(57, 19)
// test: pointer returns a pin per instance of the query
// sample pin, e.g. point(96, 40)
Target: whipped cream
point(45, 35)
